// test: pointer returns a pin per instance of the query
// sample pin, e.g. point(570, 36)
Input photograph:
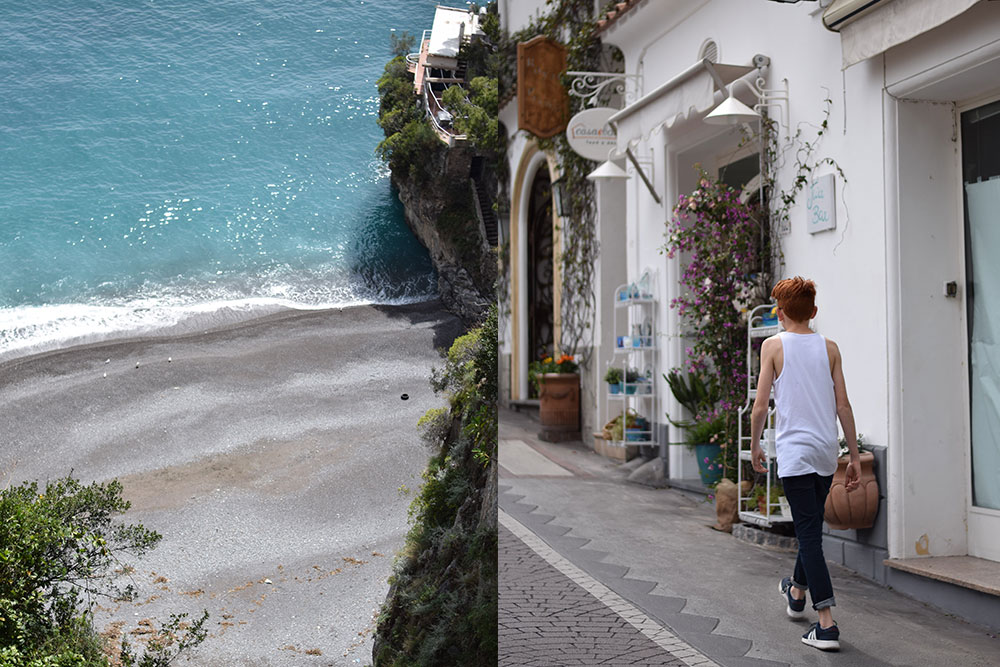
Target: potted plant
point(614, 379)
point(623, 422)
point(699, 394)
point(722, 247)
point(758, 503)
point(846, 510)
point(703, 435)
point(631, 378)
point(696, 392)
point(558, 383)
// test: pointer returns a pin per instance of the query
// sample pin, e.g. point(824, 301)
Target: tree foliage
point(401, 43)
point(476, 114)
point(60, 548)
point(410, 143)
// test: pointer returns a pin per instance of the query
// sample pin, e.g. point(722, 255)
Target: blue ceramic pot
point(708, 455)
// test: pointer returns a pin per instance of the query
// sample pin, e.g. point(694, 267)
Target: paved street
point(595, 570)
point(547, 618)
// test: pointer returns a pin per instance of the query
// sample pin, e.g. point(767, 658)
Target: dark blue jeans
point(806, 496)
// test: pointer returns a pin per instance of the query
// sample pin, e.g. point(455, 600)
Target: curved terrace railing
point(434, 109)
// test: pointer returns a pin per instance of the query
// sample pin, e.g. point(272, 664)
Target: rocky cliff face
point(441, 212)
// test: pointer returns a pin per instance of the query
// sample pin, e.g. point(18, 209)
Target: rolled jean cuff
point(823, 604)
point(798, 585)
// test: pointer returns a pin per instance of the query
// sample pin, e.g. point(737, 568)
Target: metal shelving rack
point(635, 347)
point(757, 330)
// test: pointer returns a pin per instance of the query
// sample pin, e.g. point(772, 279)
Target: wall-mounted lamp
point(734, 112)
point(608, 169)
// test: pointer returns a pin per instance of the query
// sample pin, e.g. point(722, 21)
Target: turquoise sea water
point(175, 165)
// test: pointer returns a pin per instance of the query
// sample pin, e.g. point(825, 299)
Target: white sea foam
point(28, 330)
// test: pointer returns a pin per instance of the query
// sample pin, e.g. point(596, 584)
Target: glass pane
point(981, 173)
point(740, 172)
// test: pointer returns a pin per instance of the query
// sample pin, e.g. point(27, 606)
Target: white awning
point(693, 90)
point(868, 28)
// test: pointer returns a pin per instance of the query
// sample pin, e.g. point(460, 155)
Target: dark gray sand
point(277, 459)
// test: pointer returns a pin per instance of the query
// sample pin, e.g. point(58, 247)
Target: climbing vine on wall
point(570, 22)
point(779, 202)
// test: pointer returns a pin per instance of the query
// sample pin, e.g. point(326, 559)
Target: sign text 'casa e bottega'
point(590, 134)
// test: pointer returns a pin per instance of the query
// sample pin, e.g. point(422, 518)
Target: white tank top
point(806, 428)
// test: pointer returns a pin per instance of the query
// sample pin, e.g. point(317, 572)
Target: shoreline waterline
point(225, 316)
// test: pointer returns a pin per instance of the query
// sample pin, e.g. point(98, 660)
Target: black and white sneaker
point(794, 608)
point(825, 639)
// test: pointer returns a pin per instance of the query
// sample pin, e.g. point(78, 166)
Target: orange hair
point(796, 296)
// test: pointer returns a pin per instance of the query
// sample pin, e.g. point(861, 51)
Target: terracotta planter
point(858, 508)
point(559, 394)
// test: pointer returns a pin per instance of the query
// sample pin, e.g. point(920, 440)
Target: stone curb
point(752, 535)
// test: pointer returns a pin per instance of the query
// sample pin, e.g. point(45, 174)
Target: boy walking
point(805, 371)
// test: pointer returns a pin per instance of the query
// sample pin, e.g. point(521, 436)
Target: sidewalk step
point(966, 571)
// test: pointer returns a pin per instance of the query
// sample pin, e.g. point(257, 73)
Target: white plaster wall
point(609, 274)
point(954, 64)
point(516, 147)
point(898, 237)
point(928, 478)
point(516, 14)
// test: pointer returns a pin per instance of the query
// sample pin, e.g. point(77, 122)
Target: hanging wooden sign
point(542, 102)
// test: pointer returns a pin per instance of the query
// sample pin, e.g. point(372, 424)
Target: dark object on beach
point(405, 397)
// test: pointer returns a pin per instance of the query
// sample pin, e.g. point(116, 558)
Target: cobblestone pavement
point(548, 619)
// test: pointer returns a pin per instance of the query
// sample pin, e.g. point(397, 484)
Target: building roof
point(614, 14)
point(451, 26)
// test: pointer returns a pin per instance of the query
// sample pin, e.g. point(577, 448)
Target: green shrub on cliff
point(442, 605)
point(410, 142)
point(59, 548)
point(409, 151)
point(475, 114)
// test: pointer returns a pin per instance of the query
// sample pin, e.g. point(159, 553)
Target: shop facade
point(897, 107)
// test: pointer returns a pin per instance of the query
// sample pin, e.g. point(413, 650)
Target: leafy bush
point(401, 43)
point(58, 548)
point(410, 150)
point(175, 636)
point(475, 115)
point(442, 608)
point(727, 246)
point(434, 426)
point(395, 88)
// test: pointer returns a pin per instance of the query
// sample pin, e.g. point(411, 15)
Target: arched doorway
point(541, 274)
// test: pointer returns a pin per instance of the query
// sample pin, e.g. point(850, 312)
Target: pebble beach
point(277, 458)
